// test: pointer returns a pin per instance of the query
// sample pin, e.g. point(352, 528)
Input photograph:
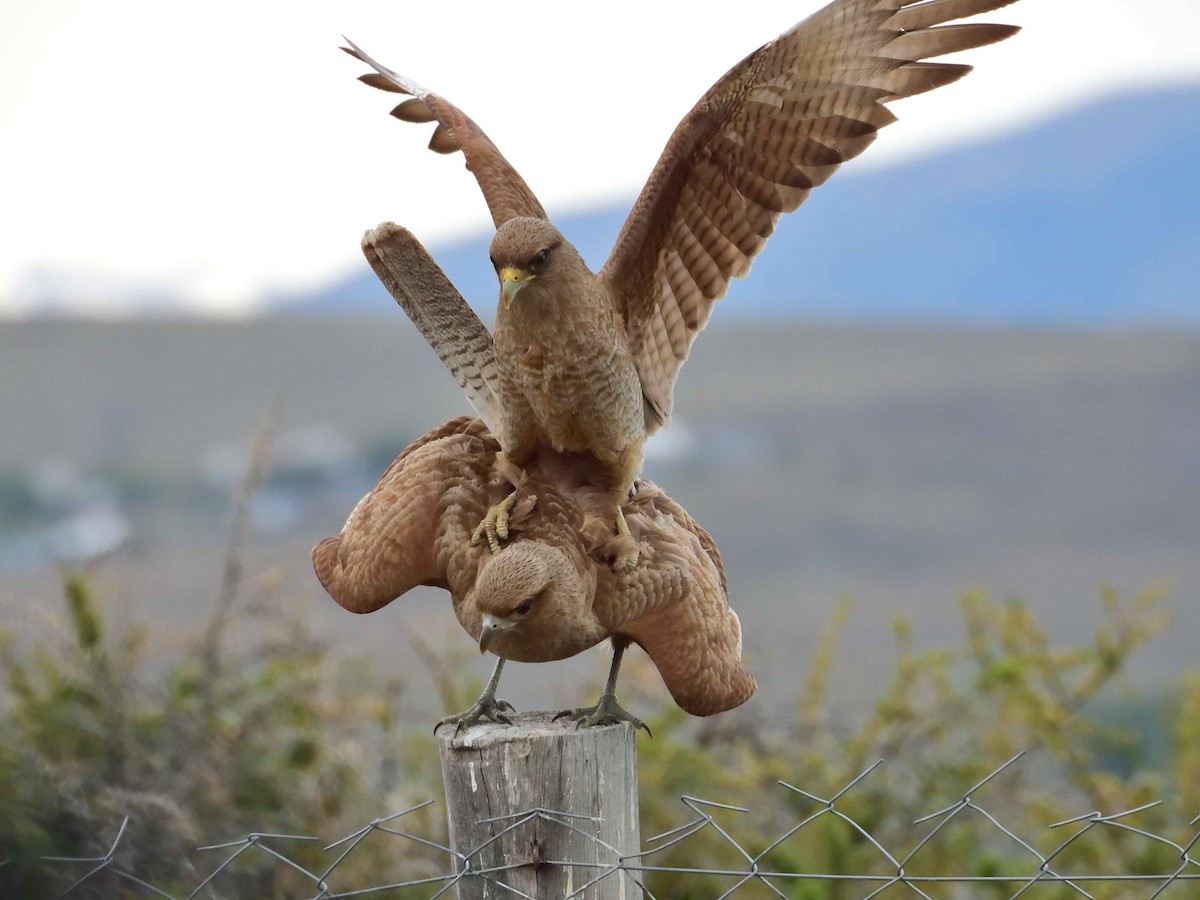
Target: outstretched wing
point(778, 124)
point(675, 605)
point(443, 317)
point(390, 542)
point(506, 193)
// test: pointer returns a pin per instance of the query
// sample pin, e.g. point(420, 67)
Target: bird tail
point(443, 317)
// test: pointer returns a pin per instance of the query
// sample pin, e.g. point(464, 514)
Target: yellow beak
point(511, 281)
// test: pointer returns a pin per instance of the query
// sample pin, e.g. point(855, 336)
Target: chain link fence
point(1027, 872)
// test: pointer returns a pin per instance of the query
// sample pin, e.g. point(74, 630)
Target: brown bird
point(543, 596)
point(587, 362)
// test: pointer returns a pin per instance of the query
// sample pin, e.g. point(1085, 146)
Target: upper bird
point(586, 362)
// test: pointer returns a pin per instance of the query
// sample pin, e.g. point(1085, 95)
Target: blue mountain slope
point(1091, 217)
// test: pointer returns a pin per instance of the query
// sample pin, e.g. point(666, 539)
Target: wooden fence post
point(522, 799)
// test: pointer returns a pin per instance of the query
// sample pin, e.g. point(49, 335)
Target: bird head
point(523, 588)
point(524, 251)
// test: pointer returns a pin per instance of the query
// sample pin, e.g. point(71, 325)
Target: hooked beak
point(491, 630)
point(511, 281)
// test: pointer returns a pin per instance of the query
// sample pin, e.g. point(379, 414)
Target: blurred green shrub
point(948, 718)
point(198, 743)
point(253, 727)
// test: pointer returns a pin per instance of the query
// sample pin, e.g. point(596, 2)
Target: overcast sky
point(221, 148)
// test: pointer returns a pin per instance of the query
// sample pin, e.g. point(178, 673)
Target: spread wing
point(778, 124)
point(675, 605)
point(392, 542)
point(506, 193)
point(443, 317)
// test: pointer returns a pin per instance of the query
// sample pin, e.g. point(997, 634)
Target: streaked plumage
point(415, 527)
point(587, 362)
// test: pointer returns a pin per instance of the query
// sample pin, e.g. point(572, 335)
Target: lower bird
point(544, 596)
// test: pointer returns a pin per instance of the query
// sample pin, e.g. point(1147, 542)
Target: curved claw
point(484, 709)
point(494, 525)
point(625, 555)
point(625, 548)
point(607, 711)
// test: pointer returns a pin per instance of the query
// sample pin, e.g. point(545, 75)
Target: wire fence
point(1027, 870)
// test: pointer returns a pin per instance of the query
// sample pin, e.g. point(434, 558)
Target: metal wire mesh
point(1029, 869)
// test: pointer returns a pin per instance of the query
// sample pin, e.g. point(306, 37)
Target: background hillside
point(1086, 218)
point(974, 427)
point(897, 465)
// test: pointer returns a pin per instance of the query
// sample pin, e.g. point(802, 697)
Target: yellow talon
point(627, 555)
point(494, 525)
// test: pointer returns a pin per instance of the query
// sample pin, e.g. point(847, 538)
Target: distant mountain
point(1088, 217)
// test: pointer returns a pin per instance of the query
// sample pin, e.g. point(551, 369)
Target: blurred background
point(971, 360)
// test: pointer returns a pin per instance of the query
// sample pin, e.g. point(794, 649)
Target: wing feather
point(704, 224)
point(678, 609)
point(413, 110)
point(778, 124)
point(506, 193)
point(443, 317)
point(386, 545)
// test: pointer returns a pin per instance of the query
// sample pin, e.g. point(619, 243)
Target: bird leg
point(626, 553)
point(486, 707)
point(607, 710)
point(494, 525)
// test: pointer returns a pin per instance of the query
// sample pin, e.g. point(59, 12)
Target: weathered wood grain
point(523, 798)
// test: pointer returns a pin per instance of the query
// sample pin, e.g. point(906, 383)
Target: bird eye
point(525, 607)
point(493, 259)
point(540, 259)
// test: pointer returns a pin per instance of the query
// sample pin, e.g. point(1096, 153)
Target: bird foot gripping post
point(541, 809)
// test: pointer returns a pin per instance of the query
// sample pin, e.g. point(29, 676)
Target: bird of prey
point(542, 597)
point(586, 362)
point(700, 659)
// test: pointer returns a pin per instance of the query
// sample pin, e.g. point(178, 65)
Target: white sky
point(222, 148)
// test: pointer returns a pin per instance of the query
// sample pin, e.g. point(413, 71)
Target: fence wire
point(106, 875)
